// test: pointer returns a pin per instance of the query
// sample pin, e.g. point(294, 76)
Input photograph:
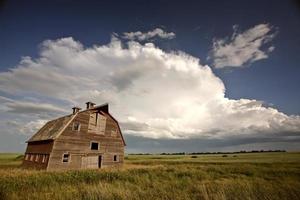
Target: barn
point(88, 139)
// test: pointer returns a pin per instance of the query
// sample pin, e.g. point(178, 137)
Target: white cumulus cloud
point(243, 48)
point(25, 128)
point(152, 93)
point(141, 36)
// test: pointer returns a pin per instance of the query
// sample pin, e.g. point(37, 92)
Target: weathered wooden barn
point(86, 139)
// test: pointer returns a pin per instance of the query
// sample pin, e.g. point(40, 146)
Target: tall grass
point(149, 177)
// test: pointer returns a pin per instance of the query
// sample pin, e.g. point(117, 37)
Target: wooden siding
point(78, 144)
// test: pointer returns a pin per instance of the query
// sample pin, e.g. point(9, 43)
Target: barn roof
point(52, 129)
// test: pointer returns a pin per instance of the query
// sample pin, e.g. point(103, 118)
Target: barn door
point(99, 161)
point(90, 162)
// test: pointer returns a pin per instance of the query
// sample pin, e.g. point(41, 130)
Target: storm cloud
point(153, 93)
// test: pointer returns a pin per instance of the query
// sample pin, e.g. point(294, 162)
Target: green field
point(237, 176)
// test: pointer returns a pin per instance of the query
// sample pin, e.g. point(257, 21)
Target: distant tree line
point(204, 153)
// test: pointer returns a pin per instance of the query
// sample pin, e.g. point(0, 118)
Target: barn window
point(115, 158)
point(94, 146)
point(37, 157)
point(44, 158)
point(76, 126)
point(31, 157)
point(97, 123)
point(101, 124)
point(66, 157)
point(114, 133)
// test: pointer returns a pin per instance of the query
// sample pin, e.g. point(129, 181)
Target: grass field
point(237, 176)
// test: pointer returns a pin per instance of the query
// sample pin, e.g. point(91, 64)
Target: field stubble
point(242, 176)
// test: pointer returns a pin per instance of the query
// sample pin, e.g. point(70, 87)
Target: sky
point(179, 76)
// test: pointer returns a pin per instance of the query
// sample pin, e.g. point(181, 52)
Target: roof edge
point(64, 128)
point(28, 141)
point(67, 124)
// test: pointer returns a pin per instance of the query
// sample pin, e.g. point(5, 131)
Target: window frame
point(37, 156)
point(114, 132)
point(31, 157)
point(95, 142)
point(44, 158)
point(68, 158)
point(79, 126)
point(116, 158)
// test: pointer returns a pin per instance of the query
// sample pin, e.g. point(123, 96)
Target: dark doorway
point(99, 161)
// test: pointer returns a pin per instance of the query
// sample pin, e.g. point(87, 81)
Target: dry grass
point(247, 176)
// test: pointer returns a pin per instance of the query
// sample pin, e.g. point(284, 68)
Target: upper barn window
point(76, 126)
point(114, 132)
point(97, 123)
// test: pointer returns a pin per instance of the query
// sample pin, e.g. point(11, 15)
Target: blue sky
point(270, 81)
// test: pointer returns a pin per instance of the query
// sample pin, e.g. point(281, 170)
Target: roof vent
point(90, 105)
point(76, 110)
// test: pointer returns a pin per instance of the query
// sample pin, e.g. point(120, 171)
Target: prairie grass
point(243, 176)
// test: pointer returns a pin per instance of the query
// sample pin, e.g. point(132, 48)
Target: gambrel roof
point(52, 129)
